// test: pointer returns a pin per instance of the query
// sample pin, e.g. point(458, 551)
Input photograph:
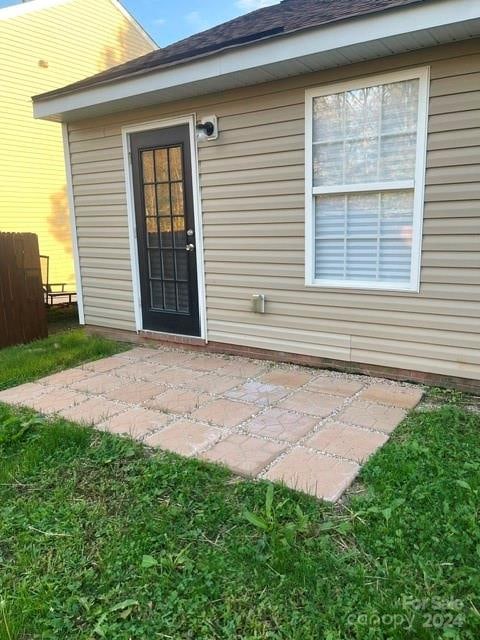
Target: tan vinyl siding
point(252, 191)
point(42, 50)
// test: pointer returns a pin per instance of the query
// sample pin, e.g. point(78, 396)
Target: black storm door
point(162, 183)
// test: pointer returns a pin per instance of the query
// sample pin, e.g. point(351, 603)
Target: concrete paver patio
point(308, 428)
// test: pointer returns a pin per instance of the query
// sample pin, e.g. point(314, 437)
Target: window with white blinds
point(365, 166)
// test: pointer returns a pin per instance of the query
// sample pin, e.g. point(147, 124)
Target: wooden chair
point(55, 293)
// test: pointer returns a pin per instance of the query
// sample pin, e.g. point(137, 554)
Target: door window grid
point(162, 174)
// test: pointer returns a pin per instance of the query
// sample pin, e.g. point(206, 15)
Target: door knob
point(190, 247)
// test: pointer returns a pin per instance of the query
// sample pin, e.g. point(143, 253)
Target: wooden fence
point(22, 309)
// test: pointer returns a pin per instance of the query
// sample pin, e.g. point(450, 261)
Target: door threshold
point(175, 338)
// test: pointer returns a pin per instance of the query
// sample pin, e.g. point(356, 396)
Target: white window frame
point(417, 184)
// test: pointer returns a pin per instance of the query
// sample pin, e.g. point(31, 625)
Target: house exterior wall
point(41, 50)
point(252, 193)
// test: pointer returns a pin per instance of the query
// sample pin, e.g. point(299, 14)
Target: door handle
point(190, 247)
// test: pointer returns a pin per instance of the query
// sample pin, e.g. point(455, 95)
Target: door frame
point(164, 123)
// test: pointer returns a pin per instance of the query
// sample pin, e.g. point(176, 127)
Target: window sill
point(351, 287)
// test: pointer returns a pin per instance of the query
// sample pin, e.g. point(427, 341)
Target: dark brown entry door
point(162, 182)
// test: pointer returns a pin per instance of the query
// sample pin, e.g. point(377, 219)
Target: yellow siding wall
point(252, 190)
point(39, 51)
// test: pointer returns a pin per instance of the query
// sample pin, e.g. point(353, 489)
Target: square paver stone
point(184, 437)
point(57, 399)
point(346, 441)
point(286, 377)
point(242, 368)
point(314, 473)
point(92, 411)
point(258, 392)
point(24, 393)
point(225, 413)
point(178, 400)
point(178, 376)
point(214, 383)
point(136, 422)
point(244, 454)
point(394, 395)
point(136, 391)
point(281, 424)
point(69, 376)
point(99, 383)
point(137, 353)
point(204, 363)
point(372, 416)
point(140, 371)
point(312, 403)
point(170, 358)
point(336, 386)
point(104, 364)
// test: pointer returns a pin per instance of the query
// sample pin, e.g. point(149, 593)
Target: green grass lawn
point(101, 538)
point(27, 362)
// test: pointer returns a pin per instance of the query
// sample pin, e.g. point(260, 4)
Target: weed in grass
point(277, 535)
point(101, 536)
point(438, 397)
point(446, 396)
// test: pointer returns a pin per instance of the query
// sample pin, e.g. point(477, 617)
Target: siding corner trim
point(73, 224)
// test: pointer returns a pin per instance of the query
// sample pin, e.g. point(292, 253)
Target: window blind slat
point(385, 222)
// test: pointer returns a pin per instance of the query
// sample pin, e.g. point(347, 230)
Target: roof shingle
point(264, 23)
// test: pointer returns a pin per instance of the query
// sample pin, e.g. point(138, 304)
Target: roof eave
point(368, 36)
point(279, 33)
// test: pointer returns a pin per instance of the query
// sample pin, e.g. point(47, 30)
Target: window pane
point(163, 199)
point(155, 263)
point(168, 268)
point(177, 198)
point(364, 236)
point(365, 135)
point(328, 116)
point(179, 236)
point(170, 296)
point(330, 215)
point(182, 265)
point(152, 232)
point(362, 214)
point(361, 161)
point(183, 299)
point(149, 195)
point(147, 166)
point(176, 171)
point(361, 259)
point(328, 163)
point(165, 225)
point(161, 165)
point(330, 259)
point(394, 260)
point(363, 112)
point(156, 294)
point(399, 109)
point(397, 157)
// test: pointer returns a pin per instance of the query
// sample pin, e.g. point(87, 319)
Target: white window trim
point(418, 184)
point(73, 223)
